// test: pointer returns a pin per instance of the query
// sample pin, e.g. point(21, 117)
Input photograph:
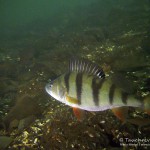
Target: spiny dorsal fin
point(85, 66)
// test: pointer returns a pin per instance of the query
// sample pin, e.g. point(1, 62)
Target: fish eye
point(50, 85)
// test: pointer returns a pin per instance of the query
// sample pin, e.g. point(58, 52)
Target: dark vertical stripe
point(124, 97)
point(111, 93)
point(96, 86)
point(79, 86)
point(66, 79)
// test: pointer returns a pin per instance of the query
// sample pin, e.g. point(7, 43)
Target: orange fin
point(72, 100)
point(78, 113)
point(121, 113)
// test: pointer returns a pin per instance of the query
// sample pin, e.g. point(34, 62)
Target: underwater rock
point(5, 141)
point(25, 122)
point(25, 106)
point(13, 124)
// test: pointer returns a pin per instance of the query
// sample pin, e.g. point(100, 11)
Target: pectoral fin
point(71, 100)
point(121, 113)
point(78, 113)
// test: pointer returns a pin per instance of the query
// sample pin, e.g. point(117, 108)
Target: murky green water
point(37, 39)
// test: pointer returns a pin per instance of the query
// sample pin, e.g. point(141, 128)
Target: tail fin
point(147, 104)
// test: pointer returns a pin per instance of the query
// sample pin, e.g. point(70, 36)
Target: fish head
point(56, 89)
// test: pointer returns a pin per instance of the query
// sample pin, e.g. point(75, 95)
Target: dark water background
point(37, 38)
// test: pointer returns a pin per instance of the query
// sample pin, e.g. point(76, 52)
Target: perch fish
point(85, 87)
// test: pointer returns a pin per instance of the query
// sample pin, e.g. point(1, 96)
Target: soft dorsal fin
point(85, 66)
point(120, 81)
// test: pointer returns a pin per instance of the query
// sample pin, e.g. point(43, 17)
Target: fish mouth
point(48, 88)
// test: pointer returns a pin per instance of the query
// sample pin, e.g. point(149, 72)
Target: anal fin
point(121, 113)
point(78, 113)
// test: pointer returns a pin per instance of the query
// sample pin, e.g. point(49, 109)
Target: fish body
point(85, 87)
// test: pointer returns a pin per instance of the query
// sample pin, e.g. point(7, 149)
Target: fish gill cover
point(38, 38)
